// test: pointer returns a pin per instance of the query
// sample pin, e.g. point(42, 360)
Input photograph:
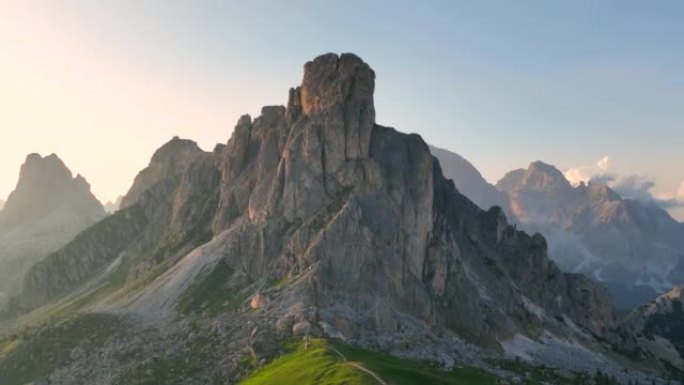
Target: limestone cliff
point(359, 218)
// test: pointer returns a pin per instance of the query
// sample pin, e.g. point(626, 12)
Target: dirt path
point(359, 367)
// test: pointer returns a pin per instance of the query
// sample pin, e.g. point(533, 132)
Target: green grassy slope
point(330, 363)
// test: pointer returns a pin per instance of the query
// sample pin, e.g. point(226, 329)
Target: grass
point(34, 354)
point(407, 372)
point(278, 283)
point(320, 364)
point(315, 365)
point(9, 344)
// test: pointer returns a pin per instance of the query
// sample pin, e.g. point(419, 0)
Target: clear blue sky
point(502, 83)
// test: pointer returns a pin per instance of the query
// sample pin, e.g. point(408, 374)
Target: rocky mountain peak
point(169, 161)
point(47, 209)
point(601, 192)
point(41, 171)
point(174, 150)
point(331, 80)
point(45, 184)
point(542, 176)
point(340, 87)
point(510, 180)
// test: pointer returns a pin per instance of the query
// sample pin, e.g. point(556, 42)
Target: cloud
point(604, 164)
point(576, 175)
point(633, 187)
point(636, 187)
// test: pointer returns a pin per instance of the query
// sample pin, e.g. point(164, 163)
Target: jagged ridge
point(357, 217)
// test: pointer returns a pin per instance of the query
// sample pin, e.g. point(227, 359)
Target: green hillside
point(330, 363)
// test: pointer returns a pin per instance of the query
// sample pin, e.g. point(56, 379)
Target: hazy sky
point(105, 83)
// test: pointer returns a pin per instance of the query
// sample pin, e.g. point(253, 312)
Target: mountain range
point(313, 223)
point(635, 249)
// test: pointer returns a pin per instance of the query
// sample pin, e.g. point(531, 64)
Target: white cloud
point(604, 164)
point(575, 175)
point(637, 187)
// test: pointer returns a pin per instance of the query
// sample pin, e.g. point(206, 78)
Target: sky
point(594, 87)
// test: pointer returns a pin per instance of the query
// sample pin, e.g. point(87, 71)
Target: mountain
point(2, 204)
point(45, 211)
point(469, 181)
point(312, 221)
point(633, 248)
point(111, 207)
point(661, 323)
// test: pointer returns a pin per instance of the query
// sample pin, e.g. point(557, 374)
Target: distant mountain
point(45, 211)
point(469, 181)
point(2, 204)
point(111, 207)
point(635, 249)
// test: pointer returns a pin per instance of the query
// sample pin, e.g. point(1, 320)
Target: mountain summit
point(313, 220)
point(46, 210)
point(46, 185)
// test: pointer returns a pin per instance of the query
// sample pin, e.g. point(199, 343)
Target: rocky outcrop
point(169, 163)
point(355, 223)
point(317, 189)
point(655, 331)
point(635, 249)
point(45, 211)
